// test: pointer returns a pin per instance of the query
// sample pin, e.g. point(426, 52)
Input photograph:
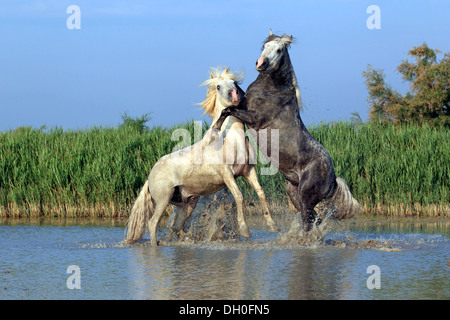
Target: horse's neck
point(284, 75)
point(217, 111)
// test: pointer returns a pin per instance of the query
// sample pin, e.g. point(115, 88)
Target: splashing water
point(297, 236)
point(214, 225)
point(214, 220)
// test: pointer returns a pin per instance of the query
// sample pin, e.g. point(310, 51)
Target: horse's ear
point(211, 75)
point(270, 32)
point(291, 39)
point(286, 40)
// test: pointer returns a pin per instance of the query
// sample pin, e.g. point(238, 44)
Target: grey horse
point(273, 102)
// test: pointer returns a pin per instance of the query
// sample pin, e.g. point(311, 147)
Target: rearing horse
point(179, 179)
point(272, 102)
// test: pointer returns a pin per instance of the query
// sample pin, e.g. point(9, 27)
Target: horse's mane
point(216, 75)
point(286, 41)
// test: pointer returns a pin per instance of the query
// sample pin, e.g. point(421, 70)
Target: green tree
point(138, 123)
point(429, 97)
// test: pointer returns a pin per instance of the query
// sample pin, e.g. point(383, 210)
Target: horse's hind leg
point(252, 178)
point(234, 189)
point(182, 214)
point(162, 198)
point(292, 191)
point(304, 202)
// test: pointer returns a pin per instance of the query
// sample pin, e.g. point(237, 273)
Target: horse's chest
point(270, 95)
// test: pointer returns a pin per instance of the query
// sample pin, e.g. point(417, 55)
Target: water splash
point(214, 218)
point(214, 223)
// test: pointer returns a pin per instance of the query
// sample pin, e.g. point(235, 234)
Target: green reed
point(99, 171)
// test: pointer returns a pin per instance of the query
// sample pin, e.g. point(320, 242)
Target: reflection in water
point(224, 270)
point(183, 273)
point(199, 273)
point(34, 260)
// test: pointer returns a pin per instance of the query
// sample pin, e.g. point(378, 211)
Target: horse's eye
point(218, 87)
point(279, 51)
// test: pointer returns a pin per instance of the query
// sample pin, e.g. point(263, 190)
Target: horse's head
point(274, 49)
point(228, 92)
point(223, 90)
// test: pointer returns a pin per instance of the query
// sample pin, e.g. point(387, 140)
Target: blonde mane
point(216, 75)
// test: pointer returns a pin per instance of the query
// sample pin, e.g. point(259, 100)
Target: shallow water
point(412, 259)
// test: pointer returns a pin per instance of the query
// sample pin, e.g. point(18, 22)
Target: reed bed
point(98, 172)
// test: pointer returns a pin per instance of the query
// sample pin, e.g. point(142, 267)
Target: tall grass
point(404, 170)
point(400, 170)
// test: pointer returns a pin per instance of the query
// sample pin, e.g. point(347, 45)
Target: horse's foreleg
point(248, 116)
point(233, 187)
point(252, 178)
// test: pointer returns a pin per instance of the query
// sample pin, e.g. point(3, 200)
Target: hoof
point(175, 235)
point(273, 228)
point(245, 232)
point(129, 241)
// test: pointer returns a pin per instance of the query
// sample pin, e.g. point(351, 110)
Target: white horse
point(179, 178)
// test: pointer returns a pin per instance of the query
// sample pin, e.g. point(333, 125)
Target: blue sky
point(150, 57)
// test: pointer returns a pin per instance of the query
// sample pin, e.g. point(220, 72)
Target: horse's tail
point(140, 215)
point(342, 201)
